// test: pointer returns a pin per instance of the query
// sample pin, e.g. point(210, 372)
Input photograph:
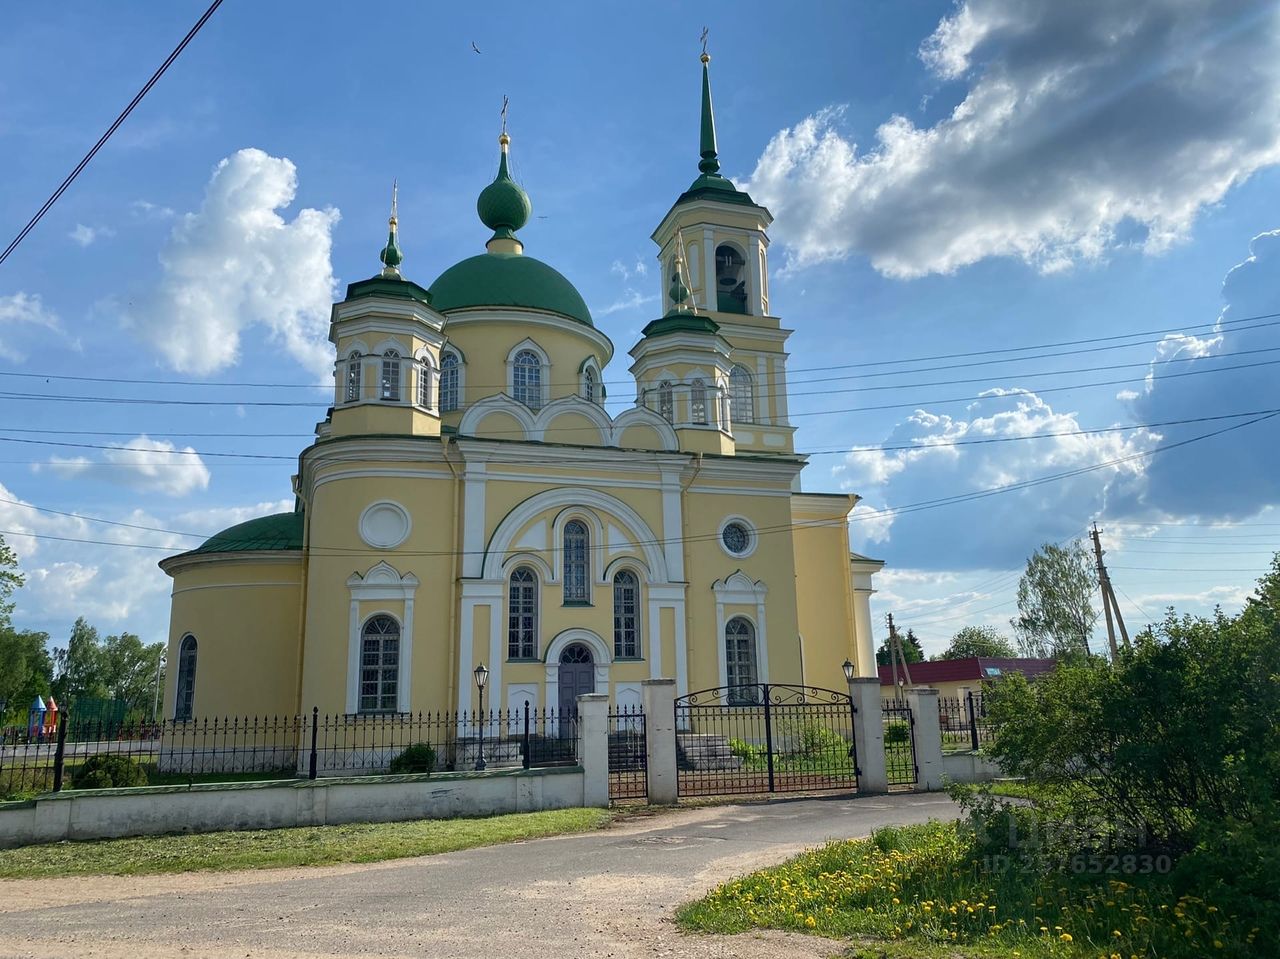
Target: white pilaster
point(473, 494)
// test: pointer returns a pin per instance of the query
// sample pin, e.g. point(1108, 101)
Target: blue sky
point(947, 178)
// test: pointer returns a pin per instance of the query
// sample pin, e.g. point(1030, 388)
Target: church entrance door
point(577, 677)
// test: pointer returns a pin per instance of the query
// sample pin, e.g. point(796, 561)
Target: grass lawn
point(915, 891)
point(305, 846)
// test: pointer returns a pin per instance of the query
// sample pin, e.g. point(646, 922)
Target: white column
point(353, 659)
point(764, 391)
point(473, 491)
point(868, 735)
point(405, 676)
point(593, 748)
point(710, 289)
point(755, 295)
point(928, 738)
point(672, 526)
point(762, 639)
point(655, 639)
point(658, 697)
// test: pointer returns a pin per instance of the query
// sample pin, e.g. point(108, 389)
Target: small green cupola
point(391, 256)
point(683, 315)
point(503, 206)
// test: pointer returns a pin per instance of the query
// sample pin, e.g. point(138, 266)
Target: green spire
point(391, 256)
point(709, 163)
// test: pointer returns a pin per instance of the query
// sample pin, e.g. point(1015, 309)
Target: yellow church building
point(469, 500)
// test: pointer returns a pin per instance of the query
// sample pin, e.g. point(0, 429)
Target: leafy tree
point(11, 579)
point(911, 650)
point(26, 668)
point(1175, 740)
point(1055, 602)
point(978, 641)
point(128, 669)
point(79, 667)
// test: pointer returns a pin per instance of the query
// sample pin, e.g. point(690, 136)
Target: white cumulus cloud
point(237, 263)
point(142, 463)
point(24, 320)
point(86, 235)
point(1002, 529)
point(1078, 127)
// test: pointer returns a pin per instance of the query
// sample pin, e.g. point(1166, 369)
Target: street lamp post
point(848, 671)
point(482, 676)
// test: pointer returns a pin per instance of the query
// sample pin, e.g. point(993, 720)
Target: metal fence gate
point(899, 743)
point(765, 737)
point(628, 762)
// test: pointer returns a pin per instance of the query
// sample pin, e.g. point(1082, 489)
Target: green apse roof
point(507, 279)
point(277, 532)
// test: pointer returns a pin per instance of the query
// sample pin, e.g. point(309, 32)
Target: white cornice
point(183, 562)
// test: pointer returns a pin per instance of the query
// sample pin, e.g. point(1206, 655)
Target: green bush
point(897, 733)
point(748, 753)
point(108, 772)
point(418, 758)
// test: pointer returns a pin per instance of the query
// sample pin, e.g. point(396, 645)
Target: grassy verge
point(306, 846)
point(917, 891)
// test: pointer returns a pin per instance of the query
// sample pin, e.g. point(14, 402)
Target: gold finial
point(706, 57)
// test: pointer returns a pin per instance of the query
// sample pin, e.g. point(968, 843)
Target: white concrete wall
point(970, 768)
point(154, 810)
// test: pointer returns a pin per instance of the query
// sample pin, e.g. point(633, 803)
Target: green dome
point(502, 205)
point(277, 532)
point(507, 279)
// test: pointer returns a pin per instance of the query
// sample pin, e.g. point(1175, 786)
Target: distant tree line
point(120, 667)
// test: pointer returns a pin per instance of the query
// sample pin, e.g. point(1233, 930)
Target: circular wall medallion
point(737, 538)
point(384, 525)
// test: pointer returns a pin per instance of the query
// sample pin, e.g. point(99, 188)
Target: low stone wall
point(154, 810)
point(970, 768)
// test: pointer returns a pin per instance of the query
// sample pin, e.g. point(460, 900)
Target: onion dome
point(503, 206)
point(391, 256)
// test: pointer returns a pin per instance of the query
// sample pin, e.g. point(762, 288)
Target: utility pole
point(1109, 604)
point(896, 656)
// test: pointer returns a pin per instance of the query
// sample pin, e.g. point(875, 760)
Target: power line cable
point(764, 530)
point(62, 188)
point(838, 450)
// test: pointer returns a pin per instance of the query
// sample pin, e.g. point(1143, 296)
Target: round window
point(736, 538)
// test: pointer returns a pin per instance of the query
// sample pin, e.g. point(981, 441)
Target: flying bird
point(474, 47)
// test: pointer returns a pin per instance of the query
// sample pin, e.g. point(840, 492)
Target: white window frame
point(450, 397)
point(698, 402)
point(389, 383)
point(381, 584)
point(426, 373)
point(581, 578)
point(742, 402)
point(619, 642)
point(353, 377)
point(522, 394)
point(186, 671)
point(515, 632)
point(667, 401)
point(382, 668)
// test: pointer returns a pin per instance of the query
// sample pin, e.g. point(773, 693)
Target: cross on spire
point(505, 102)
point(703, 38)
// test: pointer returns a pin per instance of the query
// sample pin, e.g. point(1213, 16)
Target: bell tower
point(388, 338)
point(718, 233)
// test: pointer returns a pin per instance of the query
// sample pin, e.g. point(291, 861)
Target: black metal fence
point(765, 737)
point(219, 749)
point(628, 762)
point(963, 721)
point(899, 742)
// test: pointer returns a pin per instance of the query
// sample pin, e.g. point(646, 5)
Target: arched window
point(379, 665)
point(731, 280)
point(353, 377)
point(526, 379)
point(391, 376)
point(698, 402)
point(425, 391)
point(589, 385)
point(626, 615)
point(742, 394)
point(740, 660)
point(522, 615)
point(184, 702)
point(576, 567)
point(448, 382)
point(666, 407)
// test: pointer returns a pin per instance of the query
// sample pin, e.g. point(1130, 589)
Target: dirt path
point(606, 894)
